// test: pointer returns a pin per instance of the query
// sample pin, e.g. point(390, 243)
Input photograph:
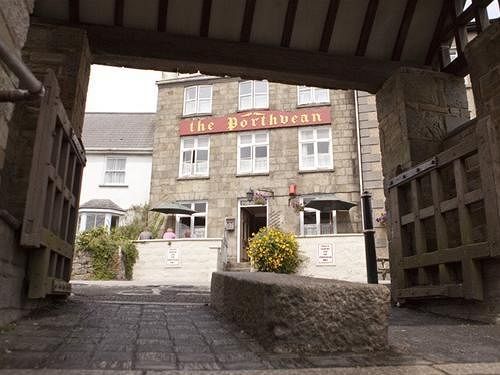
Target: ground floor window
point(314, 222)
point(194, 226)
point(90, 220)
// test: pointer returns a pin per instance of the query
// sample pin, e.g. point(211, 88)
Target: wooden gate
point(444, 220)
point(51, 211)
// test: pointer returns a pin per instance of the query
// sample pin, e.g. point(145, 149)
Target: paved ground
point(172, 328)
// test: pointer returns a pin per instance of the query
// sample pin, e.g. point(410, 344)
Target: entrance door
point(252, 218)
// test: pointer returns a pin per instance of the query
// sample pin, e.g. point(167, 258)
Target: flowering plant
point(259, 198)
point(382, 218)
point(296, 205)
point(272, 250)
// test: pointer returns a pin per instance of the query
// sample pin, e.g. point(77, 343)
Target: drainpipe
point(33, 87)
point(358, 136)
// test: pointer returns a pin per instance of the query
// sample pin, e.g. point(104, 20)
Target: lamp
point(250, 195)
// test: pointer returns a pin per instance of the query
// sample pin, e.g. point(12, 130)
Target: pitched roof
point(105, 204)
point(118, 130)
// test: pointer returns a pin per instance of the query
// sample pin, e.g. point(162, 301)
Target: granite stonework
point(416, 109)
point(288, 313)
point(224, 187)
point(372, 178)
point(483, 58)
point(65, 51)
point(14, 24)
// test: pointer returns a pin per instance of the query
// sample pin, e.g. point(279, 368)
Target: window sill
point(317, 171)
point(197, 115)
point(193, 178)
point(252, 109)
point(114, 185)
point(324, 104)
point(252, 174)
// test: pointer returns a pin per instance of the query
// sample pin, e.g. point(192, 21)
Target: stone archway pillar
point(416, 108)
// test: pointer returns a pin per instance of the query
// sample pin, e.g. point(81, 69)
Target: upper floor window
point(197, 99)
point(253, 152)
point(194, 225)
point(312, 95)
point(115, 171)
point(253, 95)
point(194, 156)
point(315, 149)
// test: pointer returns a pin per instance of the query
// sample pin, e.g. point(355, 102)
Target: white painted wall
point(349, 261)
point(197, 259)
point(137, 180)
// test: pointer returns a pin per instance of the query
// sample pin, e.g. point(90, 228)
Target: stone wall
point(371, 167)
point(14, 24)
point(195, 262)
point(65, 51)
point(82, 266)
point(223, 187)
point(288, 313)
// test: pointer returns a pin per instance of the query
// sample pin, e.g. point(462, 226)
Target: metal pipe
point(360, 162)
point(14, 95)
point(26, 78)
point(369, 233)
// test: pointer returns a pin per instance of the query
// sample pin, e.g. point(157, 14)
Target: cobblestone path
point(134, 329)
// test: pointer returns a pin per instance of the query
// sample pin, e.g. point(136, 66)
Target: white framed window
point(314, 222)
point(115, 170)
point(315, 148)
point(253, 95)
point(312, 95)
point(194, 157)
point(197, 100)
point(253, 152)
point(195, 225)
point(90, 220)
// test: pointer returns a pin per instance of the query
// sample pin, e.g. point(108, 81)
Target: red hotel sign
point(255, 120)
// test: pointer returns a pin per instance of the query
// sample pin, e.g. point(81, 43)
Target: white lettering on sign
point(325, 254)
point(173, 258)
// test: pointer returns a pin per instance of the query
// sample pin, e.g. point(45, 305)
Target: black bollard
point(369, 233)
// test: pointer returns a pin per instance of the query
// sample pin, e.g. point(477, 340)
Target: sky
point(113, 89)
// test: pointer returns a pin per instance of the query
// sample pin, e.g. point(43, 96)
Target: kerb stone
point(288, 313)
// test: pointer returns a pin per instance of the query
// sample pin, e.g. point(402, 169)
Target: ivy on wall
point(104, 248)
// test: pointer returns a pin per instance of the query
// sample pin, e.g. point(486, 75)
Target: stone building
point(396, 50)
point(246, 154)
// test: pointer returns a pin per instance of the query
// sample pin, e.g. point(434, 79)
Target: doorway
point(251, 219)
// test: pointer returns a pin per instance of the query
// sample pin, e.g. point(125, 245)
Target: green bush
point(103, 249)
point(104, 246)
point(272, 250)
point(130, 255)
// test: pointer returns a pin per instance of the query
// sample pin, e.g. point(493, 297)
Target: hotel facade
point(247, 154)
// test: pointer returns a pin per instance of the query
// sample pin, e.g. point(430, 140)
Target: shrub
point(103, 249)
point(130, 255)
point(272, 250)
point(104, 246)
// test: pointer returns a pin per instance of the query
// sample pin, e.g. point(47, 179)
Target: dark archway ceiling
point(342, 43)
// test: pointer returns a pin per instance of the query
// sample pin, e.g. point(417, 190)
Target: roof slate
point(118, 130)
point(105, 204)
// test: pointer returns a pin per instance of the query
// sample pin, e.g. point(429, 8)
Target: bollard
point(369, 233)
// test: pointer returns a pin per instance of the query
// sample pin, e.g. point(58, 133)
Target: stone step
point(238, 267)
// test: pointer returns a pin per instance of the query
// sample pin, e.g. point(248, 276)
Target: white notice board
point(173, 258)
point(325, 255)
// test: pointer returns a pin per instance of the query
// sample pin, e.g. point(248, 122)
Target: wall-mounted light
point(250, 195)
